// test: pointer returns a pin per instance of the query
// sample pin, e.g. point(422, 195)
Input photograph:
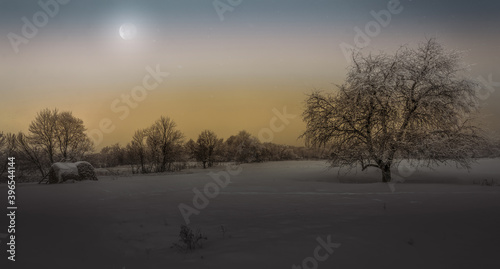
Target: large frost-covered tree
point(414, 104)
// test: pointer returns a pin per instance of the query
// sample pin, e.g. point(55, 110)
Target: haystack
point(60, 172)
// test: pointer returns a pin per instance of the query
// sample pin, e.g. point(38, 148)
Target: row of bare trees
point(55, 136)
point(162, 148)
point(158, 146)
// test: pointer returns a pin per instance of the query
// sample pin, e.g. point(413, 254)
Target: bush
point(189, 240)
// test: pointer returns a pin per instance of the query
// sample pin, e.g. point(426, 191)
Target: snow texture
point(273, 214)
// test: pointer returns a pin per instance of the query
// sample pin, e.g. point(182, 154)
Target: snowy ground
point(273, 212)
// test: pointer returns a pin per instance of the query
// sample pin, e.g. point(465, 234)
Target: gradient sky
point(224, 75)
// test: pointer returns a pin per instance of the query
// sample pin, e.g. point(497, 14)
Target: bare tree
point(33, 153)
point(191, 148)
point(164, 141)
point(137, 148)
point(60, 135)
point(415, 104)
point(70, 135)
point(243, 147)
point(206, 147)
point(7, 148)
point(113, 155)
point(43, 131)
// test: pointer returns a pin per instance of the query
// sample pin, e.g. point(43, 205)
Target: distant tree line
point(58, 136)
point(162, 148)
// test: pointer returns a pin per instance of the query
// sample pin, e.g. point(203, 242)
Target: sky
point(231, 64)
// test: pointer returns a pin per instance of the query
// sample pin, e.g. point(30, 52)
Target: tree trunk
point(51, 156)
point(143, 167)
point(386, 173)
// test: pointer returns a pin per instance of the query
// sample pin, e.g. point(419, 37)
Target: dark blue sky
point(96, 12)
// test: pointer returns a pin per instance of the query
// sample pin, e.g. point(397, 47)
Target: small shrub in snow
point(189, 240)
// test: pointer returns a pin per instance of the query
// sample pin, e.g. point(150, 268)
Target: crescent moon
point(127, 31)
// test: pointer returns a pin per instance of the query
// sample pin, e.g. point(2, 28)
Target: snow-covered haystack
point(60, 172)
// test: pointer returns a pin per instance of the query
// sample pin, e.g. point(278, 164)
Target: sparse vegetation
point(189, 239)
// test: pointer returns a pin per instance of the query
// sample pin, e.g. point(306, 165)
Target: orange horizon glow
point(223, 76)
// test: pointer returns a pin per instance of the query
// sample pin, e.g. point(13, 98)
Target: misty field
point(270, 216)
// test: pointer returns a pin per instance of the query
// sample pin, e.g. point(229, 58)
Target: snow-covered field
point(273, 213)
